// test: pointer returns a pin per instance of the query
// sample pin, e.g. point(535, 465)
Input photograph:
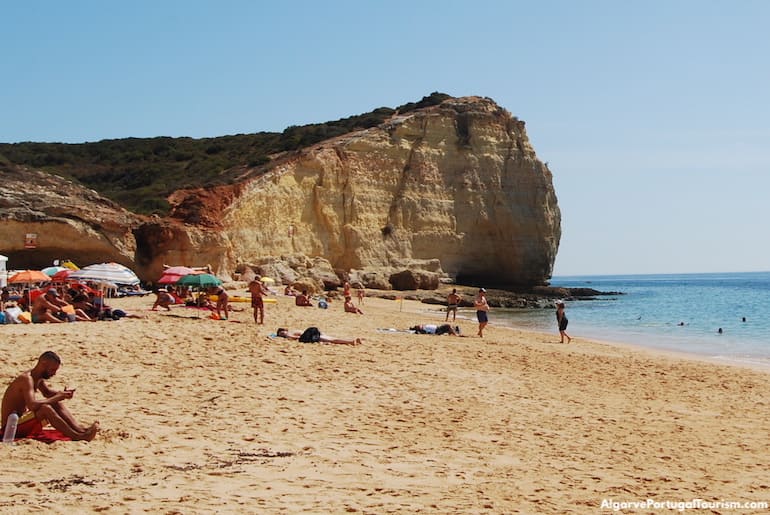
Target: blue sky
point(653, 116)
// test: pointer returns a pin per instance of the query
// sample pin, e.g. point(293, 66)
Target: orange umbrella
point(29, 276)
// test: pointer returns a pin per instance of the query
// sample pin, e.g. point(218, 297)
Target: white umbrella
point(106, 272)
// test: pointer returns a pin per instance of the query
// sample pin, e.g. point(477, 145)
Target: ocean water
point(649, 312)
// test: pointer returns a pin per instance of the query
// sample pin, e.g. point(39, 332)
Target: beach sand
point(205, 416)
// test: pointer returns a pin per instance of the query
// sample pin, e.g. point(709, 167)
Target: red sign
point(30, 240)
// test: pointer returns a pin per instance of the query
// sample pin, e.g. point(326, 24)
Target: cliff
point(68, 221)
point(458, 181)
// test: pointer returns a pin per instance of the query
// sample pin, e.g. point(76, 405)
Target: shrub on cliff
point(139, 173)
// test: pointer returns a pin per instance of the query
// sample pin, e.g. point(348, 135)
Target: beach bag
point(310, 335)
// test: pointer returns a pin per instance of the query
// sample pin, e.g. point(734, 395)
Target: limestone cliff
point(69, 221)
point(459, 182)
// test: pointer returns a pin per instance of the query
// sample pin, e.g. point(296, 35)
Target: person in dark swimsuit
point(452, 300)
point(561, 319)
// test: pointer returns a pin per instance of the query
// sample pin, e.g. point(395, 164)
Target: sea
point(672, 312)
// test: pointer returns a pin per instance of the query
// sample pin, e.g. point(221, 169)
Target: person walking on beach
point(482, 308)
point(33, 413)
point(452, 301)
point(257, 290)
point(561, 319)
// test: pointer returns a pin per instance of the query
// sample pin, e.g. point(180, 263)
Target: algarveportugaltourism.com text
point(694, 504)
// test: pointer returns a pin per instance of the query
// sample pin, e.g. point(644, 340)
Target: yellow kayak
point(236, 298)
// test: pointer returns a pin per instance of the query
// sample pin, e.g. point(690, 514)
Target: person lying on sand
point(294, 335)
point(436, 329)
point(33, 413)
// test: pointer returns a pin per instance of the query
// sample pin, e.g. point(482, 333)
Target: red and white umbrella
point(61, 275)
point(172, 274)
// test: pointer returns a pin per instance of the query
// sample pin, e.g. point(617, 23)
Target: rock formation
point(69, 221)
point(458, 182)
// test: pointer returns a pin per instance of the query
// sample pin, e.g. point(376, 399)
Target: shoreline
point(758, 364)
point(206, 416)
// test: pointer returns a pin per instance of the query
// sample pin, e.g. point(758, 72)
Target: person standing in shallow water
point(561, 319)
point(452, 301)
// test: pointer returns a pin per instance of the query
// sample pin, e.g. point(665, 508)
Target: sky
point(652, 116)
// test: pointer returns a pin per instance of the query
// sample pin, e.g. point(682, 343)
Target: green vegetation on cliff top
point(139, 173)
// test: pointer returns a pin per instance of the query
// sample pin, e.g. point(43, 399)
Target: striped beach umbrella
point(106, 273)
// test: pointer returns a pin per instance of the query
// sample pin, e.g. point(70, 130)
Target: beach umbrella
point(28, 276)
point(106, 272)
point(172, 274)
point(199, 280)
point(50, 271)
point(61, 275)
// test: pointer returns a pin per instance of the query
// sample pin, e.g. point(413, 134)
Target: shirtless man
point(33, 413)
point(302, 299)
point(482, 308)
point(44, 306)
point(452, 301)
point(350, 307)
point(257, 289)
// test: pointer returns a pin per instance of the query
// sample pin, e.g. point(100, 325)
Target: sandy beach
point(205, 416)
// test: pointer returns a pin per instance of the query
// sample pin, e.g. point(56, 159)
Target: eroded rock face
point(70, 222)
point(459, 182)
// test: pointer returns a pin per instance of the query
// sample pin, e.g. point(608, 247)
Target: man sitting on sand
point(302, 299)
point(66, 311)
point(33, 414)
point(350, 307)
point(44, 309)
point(294, 335)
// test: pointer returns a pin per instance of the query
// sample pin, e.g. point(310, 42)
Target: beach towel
point(34, 430)
point(50, 436)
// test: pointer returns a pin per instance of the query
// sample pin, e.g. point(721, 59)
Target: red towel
point(50, 436)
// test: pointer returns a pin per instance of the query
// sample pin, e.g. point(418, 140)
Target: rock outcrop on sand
point(458, 182)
